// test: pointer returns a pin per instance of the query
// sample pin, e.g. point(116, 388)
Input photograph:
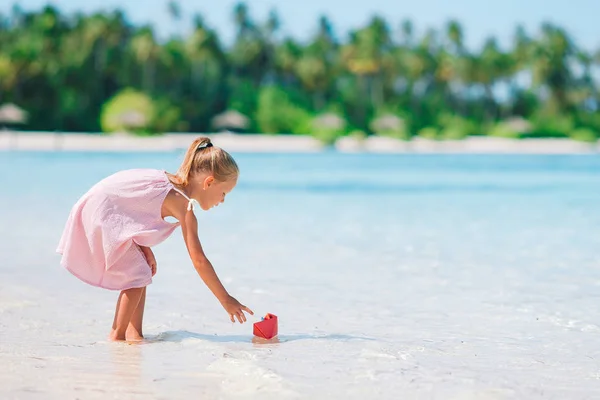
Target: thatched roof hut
point(132, 119)
point(329, 121)
point(518, 124)
point(230, 120)
point(12, 114)
point(387, 122)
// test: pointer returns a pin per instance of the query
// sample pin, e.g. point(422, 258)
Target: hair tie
point(204, 145)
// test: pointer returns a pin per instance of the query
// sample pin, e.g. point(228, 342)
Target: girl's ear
point(209, 180)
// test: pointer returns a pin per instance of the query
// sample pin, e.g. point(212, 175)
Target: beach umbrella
point(230, 119)
point(387, 122)
point(131, 119)
point(329, 121)
point(12, 114)
point(518, 124)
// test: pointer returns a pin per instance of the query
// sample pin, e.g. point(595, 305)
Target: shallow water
point(393, 276)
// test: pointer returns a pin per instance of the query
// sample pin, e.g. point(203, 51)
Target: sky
point(479, 18)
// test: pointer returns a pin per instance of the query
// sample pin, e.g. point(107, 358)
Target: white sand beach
point(287, 143)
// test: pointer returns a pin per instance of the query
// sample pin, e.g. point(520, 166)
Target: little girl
point(109, 233)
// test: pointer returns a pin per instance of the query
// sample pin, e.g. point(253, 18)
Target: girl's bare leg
point(126, 305)
point(134, 329)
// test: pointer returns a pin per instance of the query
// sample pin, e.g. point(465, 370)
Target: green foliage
point(503, 130)
point(328, 132)
point(276, 113)
point(128, 111)
point(551, 125)
point(455, 127)
point(588, 120)
point(74, 73)
point(453, 133)
point(584, 135)
point(327, 136)
point(357, 134)
point(429, 132)
point(401, 134)
point(390, 125)
point(525, 103)
point(243, 98)
point(167, 117)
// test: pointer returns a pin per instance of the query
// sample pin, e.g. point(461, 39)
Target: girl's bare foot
point(126, 309)
point(115, 337)
point(134, 329)
point(132, 335)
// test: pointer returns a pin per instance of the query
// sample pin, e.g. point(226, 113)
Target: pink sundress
point(101, 239)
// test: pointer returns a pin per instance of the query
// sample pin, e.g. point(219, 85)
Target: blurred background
point(394, 274)
point(423, 69)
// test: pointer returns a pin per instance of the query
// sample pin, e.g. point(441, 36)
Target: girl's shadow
point(179, 336)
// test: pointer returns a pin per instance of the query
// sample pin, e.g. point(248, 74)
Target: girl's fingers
point(239, 314)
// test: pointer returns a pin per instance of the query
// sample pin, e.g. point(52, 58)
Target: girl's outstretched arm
point(189, 229)
point(234, 308)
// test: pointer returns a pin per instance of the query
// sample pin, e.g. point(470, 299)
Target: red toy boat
point(267, 328)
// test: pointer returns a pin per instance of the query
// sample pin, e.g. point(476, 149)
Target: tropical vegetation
point(99, 72)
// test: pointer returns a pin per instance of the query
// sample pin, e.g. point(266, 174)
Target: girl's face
point(212, 192)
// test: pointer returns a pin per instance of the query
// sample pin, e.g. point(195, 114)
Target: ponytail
point(203, 156)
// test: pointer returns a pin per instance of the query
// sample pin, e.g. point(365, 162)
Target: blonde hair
point(203, 156)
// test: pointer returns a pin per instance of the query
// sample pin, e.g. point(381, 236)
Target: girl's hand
point(150, 258)
point(235, 309)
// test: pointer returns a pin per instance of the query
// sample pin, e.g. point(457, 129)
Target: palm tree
point(596, 88)
point(250, 54)
point(242, 19)
point(364, 57)
point(486, 70)
point(419, 65)
point(454, 32)
point(207, 63)
point(287, 55)
point(583, 91)
point(317, 64)
point(146, 51)
point(174, 11)
point(63, 67)
point(551, 56)
point(313, 74)
point(408, 30)
point(269, 34)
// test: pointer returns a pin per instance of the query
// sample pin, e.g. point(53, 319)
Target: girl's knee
point(133, 291)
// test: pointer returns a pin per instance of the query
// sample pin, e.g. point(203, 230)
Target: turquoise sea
point(393, 276)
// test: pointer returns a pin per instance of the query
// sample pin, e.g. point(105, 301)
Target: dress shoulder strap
point(191, 202)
